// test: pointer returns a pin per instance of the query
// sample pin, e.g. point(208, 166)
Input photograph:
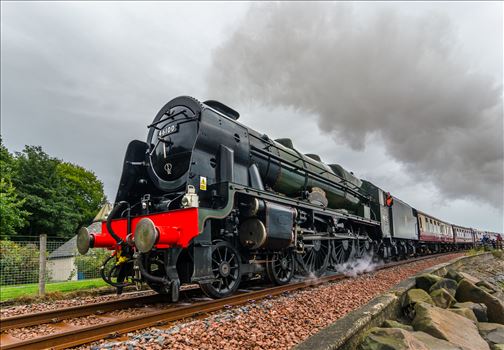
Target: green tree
point(6, 162)
point(85, 190)
point(12, 215)
point(37, 183)
point(60, 196)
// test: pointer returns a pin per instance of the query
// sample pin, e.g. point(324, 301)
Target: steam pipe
point(147, 275)
point(108, 277)
point(113, 213)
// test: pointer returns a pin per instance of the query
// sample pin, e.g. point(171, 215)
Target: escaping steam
point(398, 76)
point(356, 267)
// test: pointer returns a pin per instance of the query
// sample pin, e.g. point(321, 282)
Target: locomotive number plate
point(167, 130)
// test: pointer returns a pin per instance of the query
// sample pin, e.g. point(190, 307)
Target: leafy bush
point(19, 264)
point(90, 263)
point(499, 254)
point(474, 251)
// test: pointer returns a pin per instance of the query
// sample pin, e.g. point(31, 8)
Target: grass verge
point(31, 290)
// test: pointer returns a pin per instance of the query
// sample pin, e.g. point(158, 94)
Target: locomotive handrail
point(297, 155)
point(162, 120)
point(293, 165)
point(296, 168)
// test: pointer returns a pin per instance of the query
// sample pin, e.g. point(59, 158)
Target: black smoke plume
point(401, 77)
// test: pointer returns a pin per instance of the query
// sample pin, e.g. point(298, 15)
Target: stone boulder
point(496, 287)
point(458, 276)
point(479, 310)
point(488, 290)
point(453, 275)
point(395, 324)
point(426, 280)
point(449, 326)
point(466, 312)
point(498, 347)
point(412, 297)
point(391, 339)
point(434, 343)
point(467, 291)
point(400, 339)
point(493, 333)
point(442, 298)
point(469, 277)
point(485, 285)
point(447, 284)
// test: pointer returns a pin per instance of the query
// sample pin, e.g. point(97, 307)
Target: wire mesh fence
point(20, 261)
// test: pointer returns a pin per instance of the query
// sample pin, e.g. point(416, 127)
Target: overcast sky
point(406, 95)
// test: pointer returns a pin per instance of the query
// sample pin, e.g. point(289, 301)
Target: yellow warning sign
point(202, 183)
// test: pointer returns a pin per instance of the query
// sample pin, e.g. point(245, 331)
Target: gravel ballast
point(65, 303)
point(278, 323)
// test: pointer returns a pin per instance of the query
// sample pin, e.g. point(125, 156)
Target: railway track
point(70, 335)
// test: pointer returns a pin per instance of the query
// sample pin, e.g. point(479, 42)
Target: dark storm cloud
point(400, 77)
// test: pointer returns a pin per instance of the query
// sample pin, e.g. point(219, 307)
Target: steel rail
point(79, 336)
point(56, 315)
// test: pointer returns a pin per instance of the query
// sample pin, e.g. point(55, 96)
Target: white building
point(61, 262)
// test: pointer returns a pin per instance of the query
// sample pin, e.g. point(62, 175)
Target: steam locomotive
point(208, 200)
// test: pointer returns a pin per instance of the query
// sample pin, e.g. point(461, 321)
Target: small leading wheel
point(280, 268)
point(226, 270)
point(315, 259)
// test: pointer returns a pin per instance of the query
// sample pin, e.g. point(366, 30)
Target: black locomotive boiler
point(208, 200)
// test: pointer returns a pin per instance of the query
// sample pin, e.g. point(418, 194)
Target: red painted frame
point(176, 229)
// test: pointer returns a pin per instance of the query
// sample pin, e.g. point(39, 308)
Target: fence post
point(42, 264)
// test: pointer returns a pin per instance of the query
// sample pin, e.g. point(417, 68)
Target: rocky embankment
point(457, 311)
